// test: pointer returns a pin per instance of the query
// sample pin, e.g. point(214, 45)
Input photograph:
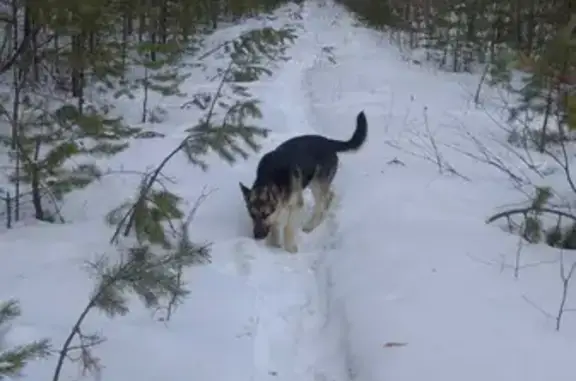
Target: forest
point(525, 48)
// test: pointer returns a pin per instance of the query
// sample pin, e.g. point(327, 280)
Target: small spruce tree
point(13, 360)
point(58, 146)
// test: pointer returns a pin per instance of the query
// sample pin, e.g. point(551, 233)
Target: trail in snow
point(291, 307)
point(294, 330)
point(299, 333)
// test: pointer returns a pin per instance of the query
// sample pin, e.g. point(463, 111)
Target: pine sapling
point(57, 145)
point(14, 360)
point(150, 268)
point(230, 107)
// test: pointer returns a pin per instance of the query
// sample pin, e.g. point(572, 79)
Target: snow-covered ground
point(403, 281)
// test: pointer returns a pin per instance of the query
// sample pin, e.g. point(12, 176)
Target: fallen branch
point(566, 278)
point(524, 211)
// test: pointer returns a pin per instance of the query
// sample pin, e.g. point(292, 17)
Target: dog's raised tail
point(359, 136)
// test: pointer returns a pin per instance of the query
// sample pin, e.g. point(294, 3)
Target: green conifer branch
point(14, 360)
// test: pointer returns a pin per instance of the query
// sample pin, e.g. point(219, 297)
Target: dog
point(283, 174)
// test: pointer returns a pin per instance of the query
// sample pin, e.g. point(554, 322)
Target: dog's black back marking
point(314, 156)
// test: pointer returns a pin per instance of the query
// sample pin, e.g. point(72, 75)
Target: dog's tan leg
point(294, 208)
point(300, 201)
point(290, 237)
point(322, 199)
point(274, 236)
point(290, 232)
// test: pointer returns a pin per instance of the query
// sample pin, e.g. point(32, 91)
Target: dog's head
point(262, 203)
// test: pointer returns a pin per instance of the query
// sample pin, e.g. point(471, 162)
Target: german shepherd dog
point(284, 173)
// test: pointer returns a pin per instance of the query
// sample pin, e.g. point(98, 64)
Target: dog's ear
point(245, 191)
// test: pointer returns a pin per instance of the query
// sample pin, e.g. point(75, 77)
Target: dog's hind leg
point(321, 186)
point(323, 196)
point(294, 208)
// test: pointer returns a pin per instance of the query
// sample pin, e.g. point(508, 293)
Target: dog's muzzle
point(261, 232)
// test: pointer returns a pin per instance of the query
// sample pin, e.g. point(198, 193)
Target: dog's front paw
point(291, 248)
point(273, 243)
point(307, 228)
point(273, 238)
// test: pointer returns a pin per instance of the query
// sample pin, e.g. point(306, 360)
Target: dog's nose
point(260, 233)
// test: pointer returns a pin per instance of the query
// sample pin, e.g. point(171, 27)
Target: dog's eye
point(257, 213)
point(261, 210)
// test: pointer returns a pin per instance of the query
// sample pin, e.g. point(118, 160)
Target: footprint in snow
point(245, 251)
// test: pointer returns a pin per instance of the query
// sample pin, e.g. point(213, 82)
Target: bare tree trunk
point(78, 68)
point(16, 115)
point(163, 21)
point(35, 183)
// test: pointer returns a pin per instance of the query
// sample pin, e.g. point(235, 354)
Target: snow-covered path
point(294, 338)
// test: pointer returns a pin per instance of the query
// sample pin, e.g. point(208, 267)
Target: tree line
point(527, 48)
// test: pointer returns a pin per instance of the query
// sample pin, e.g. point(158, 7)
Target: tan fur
point(276, 205)
point(291, 205)
point(323, 197)
point(271, 202)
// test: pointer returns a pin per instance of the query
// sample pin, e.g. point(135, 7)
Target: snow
point(403, 281)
